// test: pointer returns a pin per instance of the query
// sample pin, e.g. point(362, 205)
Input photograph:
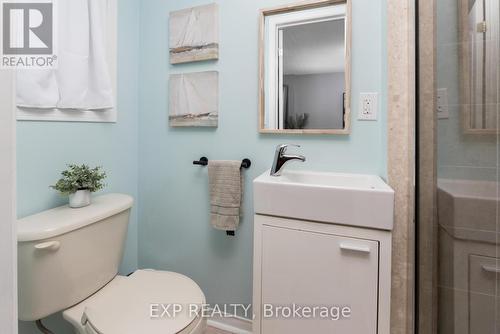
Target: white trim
point(280, 114)
point(59, 115)
point(102, 116)
point(231, 323)
point(8, 244)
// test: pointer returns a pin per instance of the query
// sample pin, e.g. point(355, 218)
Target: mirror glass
point(480, 58)
point(305, 86)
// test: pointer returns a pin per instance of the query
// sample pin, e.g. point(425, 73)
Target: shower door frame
point(401, 163)
point(426, 242)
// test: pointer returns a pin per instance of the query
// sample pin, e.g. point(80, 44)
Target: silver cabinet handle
point(355, 248)
point(491, 269)
point(49, 245)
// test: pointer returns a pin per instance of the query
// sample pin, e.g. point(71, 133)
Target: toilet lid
point(147, 301)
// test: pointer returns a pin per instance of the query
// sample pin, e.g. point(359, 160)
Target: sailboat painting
point(194, 99)
point(194, 34)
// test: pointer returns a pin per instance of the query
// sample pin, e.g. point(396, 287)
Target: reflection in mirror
point(313, 75)
point(304, 70)
point(479, 29)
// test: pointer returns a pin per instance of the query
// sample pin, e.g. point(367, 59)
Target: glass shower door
point(467, 231)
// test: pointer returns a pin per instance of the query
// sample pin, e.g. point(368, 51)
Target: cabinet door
point(318, 270)
point(483, 317)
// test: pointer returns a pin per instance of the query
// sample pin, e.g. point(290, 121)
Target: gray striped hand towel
point(225, 182)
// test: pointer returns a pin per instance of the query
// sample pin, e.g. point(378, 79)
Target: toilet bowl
point(141, 303)
point(68, 261)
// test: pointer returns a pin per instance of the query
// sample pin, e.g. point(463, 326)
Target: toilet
point(68, 261)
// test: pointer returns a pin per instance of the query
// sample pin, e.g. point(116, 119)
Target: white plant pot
point(79, 199)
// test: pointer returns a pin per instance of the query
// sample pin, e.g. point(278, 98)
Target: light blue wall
point(174, 231)
point(43, 149)
point(172, 217)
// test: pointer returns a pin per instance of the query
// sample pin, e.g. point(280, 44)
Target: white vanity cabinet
point(322, 253)
point(333, 268)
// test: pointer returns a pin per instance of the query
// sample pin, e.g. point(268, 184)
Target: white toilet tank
point(65, 255)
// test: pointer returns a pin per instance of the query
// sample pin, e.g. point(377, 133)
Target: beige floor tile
point(211, 330)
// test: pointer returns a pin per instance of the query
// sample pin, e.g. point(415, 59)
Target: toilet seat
point(124, 306)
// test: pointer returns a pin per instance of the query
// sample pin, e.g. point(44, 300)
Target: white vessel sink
point(348, 199)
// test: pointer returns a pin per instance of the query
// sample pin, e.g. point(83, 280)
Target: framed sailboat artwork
point(194, 34)
point(194, 99)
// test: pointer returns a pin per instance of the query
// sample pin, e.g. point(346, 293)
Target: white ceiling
point(314, 48)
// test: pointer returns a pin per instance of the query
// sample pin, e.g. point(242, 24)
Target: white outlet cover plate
point(368, 107)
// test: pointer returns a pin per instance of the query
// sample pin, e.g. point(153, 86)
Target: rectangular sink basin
point(347, 199)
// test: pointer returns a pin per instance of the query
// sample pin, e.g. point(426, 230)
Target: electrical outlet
point(368, 107)
point(442, 103)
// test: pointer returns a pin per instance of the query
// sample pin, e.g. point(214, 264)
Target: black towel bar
point(246, 163)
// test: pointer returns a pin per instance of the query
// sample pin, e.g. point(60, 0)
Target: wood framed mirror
point(305, 68)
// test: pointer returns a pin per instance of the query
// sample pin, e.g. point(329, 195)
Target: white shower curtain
point(81, 80)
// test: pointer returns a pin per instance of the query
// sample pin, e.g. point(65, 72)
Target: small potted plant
point(79, 182)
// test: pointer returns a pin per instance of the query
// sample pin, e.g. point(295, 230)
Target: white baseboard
point(231, 323)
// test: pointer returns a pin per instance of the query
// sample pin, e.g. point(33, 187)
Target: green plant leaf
point(80, 177)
